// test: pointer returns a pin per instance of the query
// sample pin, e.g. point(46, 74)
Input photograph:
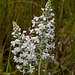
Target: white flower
point(14, 36)
point(44, 70)
point(38, 31)
point(49, 25)
point(35, 39)
point(49, 73)
point(14, 52)
point(31, 47)
point(41, 26)
point(19, 29)
point(50, 9)
point(42, 9)
point(45, 55)
point(13, 43)
point(52, 36)
point(52, 14)
point(13, 33)
point(19, 33)
point(16, 27)
point(53, 45)
point(18, 67)
point(31, 31)
point(24, 54)
point(33, 22)
point(17, 41)
point(25, 62)
point(52, 20)
point(24, 31)
point(27, 39)
point(49, 46)
point(24, 45)
point(16, 59)
point(20, 60)
point(36, 18)
point(23, 36)
point(29, 57)
point(31, 68)
point(46, 9)
point(44, 18)
point(47, 35)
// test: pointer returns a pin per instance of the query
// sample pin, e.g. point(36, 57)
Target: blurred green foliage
point(23, 11)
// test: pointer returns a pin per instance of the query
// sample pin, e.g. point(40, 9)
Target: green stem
point(30, 74)
point(39, 67)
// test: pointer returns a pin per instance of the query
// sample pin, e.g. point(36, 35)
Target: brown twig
point(35, 3)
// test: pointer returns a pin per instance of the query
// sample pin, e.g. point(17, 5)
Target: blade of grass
point(1, 60)
point(8, 62)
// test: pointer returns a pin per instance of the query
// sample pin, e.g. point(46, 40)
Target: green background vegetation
point(23, 11)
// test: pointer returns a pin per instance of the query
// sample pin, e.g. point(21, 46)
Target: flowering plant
point(24, 50)
point(30, 50)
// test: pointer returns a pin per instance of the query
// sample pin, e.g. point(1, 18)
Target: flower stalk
point(30, 51)
point(39, 66)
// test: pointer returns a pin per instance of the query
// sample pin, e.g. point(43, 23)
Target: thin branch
point(35, 3)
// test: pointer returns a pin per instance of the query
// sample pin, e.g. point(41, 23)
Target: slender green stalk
point(39, 67)
point(61, 13)
point(8, 63)
point(1, 61)
point(30, 74)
